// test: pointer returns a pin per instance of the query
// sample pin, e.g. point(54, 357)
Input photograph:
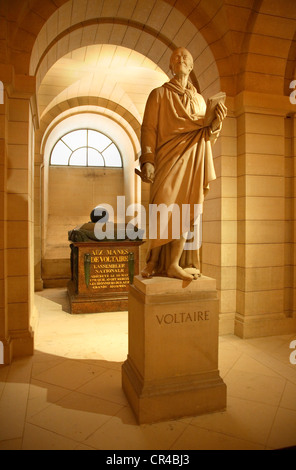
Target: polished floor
point(68, 396)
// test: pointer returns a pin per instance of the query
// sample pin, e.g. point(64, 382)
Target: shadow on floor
point(88, 386)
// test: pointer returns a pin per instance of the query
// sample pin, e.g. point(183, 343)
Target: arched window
point(86, 147)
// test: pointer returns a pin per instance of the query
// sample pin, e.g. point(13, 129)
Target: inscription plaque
point(101, 275)
point(108, 269)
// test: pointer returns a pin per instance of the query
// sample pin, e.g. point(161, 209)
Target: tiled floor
point(68, 395)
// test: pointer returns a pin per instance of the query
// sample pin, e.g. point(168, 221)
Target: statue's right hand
point(148, 172)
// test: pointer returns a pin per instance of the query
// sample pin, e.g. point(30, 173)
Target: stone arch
point(219, 23)
point(243, 59)
point(268, 40)
point(109, 31)
point(122, 116)
point(151, 29)
point(104, 71)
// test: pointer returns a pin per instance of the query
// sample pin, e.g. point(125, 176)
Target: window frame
point(87, 146)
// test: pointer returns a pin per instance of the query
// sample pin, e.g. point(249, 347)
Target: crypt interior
point(76, 75)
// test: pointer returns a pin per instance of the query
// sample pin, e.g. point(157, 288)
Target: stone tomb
point(172, 365)
point(100, 275)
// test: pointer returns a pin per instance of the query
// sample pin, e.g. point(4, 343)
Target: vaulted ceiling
point(114, 73)
point(116, 51)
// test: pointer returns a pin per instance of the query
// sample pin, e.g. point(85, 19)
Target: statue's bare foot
point(194, 271)
point(179, 273)
point(148, 270)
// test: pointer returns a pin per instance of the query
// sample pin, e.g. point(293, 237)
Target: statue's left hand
point(148, 173)
point(221, 113)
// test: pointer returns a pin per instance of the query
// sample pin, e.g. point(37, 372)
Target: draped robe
point(175, 141)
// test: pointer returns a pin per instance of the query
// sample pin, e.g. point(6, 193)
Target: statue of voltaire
point(177, 160)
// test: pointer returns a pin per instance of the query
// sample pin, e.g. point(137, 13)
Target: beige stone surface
point(172, 364)
point(80, 382)
point(165, 285)
point(48, 54)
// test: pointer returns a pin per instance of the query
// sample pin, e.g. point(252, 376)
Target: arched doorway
point(114, 61)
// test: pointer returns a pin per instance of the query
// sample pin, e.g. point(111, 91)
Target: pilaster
point(17, 144)
point(6, 348)
point(219, 256)
point(263, 214)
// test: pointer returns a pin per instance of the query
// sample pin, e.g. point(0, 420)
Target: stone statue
point(177, 160)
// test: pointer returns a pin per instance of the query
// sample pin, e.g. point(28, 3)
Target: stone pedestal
point(172, 366)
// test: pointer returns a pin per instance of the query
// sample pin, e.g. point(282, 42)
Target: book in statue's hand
point(211, 106)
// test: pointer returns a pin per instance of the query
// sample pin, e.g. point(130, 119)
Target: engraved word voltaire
point(183, 317)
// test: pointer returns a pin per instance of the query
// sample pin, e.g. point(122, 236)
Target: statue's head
point(99, 214)
point(181, 61)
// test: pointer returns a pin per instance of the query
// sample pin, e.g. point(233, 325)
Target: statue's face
point(181, 62)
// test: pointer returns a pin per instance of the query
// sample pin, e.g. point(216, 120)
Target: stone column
point(218, 251)
point(17, 203)
point(6, 350)
point(293, 228)
point(262, 228)
point(38, 223)
point(289, 215)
